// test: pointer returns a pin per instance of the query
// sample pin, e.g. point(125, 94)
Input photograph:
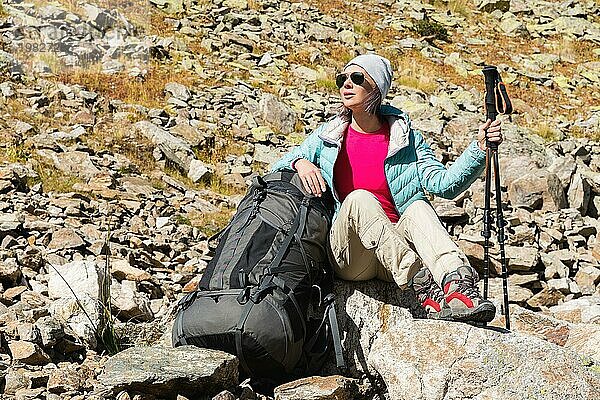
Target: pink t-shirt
point(359, 165)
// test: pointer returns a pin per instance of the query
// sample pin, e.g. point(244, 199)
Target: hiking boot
point(430, 295)
point(463, 298)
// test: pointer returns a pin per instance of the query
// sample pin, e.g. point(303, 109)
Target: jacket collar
point(333, 131)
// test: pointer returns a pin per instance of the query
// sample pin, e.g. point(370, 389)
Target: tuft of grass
point(216, 151)
point(430, 31)
point(414, 71)
point(211, 223)
point(422, 83)
point(254, 5)
point(214, 183)
point(578, 132)
point(14, 154)
point(106, 333)
point(3, 12)
point(326, 84)
point(546, 132)
point(182, 220)
point(53, 180)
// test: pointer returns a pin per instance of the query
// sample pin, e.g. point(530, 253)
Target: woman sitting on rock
point(379, 168)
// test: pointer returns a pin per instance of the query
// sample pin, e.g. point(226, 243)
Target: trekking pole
point(496, 102)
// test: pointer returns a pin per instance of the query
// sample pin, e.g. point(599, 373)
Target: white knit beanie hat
point(378, 68)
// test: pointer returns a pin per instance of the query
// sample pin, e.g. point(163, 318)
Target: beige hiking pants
point(365, 244)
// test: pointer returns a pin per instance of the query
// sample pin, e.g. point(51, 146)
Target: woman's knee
point(360, 196)
point(420, 211)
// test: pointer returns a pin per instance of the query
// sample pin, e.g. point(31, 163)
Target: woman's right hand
point(311, 177)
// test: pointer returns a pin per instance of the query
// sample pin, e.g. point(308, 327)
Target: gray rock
point(16, 379)
point(276, 114)
point(51, 331)
point(579, 193)
point(10, 271)
point(186, 370)
point(174, 148)
point(198, 170)
point(121, 269)
point(178, 91)
point(587, 278)
point(582, 310)
point(545, 298)
point(65, 238)
point(555, 268)
point(73, 163)
point(564, 168)
point(129, 303)
point(521, 258)
point(581, 338)
point(320, 32)
point(224, 395)
point(538, 190)
point(71, 377)
point(561, 284)
point(516, 294)
point(77, 285)
point(266, 59)
point(319, 388)
point(28, 353)
point(264, 154)
point(9, 64)
point(99, 18)
point(10, 222)
point(29, 394)
point(434, 359)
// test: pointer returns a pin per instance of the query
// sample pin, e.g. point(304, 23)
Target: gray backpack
point(266, 294)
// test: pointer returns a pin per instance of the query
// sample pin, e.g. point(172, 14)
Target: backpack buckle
point(244, 296)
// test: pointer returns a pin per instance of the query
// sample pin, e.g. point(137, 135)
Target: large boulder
point(537, 190)
point(426, 359)
point(167, 372)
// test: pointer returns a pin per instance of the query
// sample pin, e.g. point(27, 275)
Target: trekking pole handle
point(491, 76)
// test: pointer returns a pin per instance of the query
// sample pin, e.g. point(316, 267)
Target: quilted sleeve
point(447, 182)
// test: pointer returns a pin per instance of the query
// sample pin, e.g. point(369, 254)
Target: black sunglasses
point(358, 78)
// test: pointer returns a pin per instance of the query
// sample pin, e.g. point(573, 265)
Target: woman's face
point(354, 95)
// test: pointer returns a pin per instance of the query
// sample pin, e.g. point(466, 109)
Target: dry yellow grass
point(546, 131)
point(53, 180)
point(462, 8)
point(210, 223)
point(13, 154)
point(148, 92)
point(223, 146)
point(119, 137)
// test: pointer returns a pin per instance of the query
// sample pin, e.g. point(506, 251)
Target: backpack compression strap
point(333, 323)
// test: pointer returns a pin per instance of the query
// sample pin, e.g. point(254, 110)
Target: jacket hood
point(333, 131)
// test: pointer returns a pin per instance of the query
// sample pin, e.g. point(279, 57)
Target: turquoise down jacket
point(410, 166)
